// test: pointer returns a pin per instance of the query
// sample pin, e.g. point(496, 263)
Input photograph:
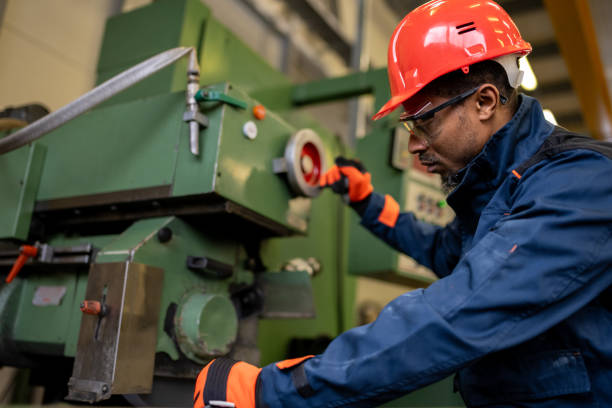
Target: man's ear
point(487, 101)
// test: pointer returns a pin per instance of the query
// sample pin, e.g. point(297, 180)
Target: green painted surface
point(333, 289)
point(121, 147)
point(224, 57)
point(10, 300)
point(348, 86)
point(168, 24)
point(234, 166)
point(179, 282)
point(74, 315)
point(164, 25)
point(244, 172)
point(33, 322)
point(21, 172)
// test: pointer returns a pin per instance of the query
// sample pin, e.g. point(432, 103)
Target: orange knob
point(92, 307)
point(259, 112)
point(25, 252)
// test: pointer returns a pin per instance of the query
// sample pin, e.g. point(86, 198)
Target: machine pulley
point(303, 163)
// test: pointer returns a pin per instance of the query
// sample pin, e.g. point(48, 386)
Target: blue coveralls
point(517, 313)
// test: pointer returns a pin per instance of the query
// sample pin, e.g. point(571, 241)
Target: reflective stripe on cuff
point(390, 212)
point(282, 365)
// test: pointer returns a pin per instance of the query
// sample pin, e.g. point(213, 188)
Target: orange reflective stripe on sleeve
point(390, 212)
point(241, 384)
point(282, 365)
point(516, 174)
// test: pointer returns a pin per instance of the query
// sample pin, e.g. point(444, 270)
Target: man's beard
point(449, 182)
point(449, 179)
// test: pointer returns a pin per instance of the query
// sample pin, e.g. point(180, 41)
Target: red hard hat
point(442, 36)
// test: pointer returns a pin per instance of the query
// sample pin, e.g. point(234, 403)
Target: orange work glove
point(227, 380)
point(348, 176)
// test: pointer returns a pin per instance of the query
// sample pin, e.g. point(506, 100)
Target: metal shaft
point(92, 98)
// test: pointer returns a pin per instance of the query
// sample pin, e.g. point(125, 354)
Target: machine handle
point(204, 95)
point(209, 267)
point(93, 307)
point(25, 252)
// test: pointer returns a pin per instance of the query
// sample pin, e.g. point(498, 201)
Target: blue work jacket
point(518, 313)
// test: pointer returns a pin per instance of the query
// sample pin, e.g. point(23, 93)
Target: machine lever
point(204, 95)
point(25, 252)
point(93, 307)
point(209, 267)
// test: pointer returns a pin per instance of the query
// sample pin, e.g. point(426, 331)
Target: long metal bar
point(92, 98)
point(359, 61)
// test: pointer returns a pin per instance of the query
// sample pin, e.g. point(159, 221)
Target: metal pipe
point(193, 85)
point(94, 97)
point(359, 62)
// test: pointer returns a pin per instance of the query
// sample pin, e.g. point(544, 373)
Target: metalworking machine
point(176, 221)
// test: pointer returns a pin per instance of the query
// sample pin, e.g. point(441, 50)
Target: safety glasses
point(422, 116)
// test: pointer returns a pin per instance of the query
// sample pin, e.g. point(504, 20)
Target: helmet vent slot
point(467, 30)
point(467, 27)
point(459, 27)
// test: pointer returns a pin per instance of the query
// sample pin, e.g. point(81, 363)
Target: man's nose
point(417, 144)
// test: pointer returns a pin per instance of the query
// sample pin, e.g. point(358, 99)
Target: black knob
point(164, 235)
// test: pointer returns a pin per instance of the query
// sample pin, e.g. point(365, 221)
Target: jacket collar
point(514, 143)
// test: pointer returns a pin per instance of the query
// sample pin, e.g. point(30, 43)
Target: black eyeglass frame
point(430, 113)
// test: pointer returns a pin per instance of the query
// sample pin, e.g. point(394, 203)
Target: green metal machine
point(158, 230)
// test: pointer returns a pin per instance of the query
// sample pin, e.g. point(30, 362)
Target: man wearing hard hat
point(522, 312)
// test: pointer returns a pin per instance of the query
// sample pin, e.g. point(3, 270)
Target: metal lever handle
point(25, 252)
point(205, 95)
point(93, 307)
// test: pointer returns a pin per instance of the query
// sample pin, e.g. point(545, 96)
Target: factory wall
point(49, 50)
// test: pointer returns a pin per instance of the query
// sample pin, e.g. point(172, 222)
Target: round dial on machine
point(304, 163)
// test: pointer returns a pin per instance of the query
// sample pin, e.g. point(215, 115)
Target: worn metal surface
point(116, 352)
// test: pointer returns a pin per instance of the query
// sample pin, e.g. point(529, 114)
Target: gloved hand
point(348, 176)
point(224, 380)
point(227, 380)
